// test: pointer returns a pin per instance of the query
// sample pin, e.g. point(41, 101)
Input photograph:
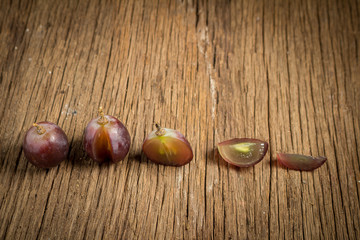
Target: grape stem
point(40, 130)
point(102, 120)
point(160, 131)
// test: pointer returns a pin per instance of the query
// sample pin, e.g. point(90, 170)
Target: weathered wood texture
point(283, 71)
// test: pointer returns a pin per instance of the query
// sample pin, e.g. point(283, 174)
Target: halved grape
point(300, 162)
point(168, 147)
point(243, 152)
point(45, 145)
point(106, 139)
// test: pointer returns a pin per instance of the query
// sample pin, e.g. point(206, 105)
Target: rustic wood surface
point(283, 71)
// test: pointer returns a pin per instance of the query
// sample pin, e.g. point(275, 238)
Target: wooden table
point(283, 71)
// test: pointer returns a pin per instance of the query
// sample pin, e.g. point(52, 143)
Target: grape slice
point(300, 162)
point(243, 152)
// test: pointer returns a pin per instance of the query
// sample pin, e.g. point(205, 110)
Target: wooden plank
point(283, 71)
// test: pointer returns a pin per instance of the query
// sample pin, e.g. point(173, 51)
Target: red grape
point(300, 162)
point(243, 152)
point(106, 139)
point(168, 147)
point(45, 145)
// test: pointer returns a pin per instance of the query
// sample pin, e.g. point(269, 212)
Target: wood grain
point(283, 71)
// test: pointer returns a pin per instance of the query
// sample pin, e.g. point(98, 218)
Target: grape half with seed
point(168, 147)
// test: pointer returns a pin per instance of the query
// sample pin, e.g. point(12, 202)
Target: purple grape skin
point(116, 137)
point(46, 150)
point(300, 162)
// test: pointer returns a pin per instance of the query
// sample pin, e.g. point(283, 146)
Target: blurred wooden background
point(283, 71)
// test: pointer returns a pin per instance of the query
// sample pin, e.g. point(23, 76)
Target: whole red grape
point(45, 145)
